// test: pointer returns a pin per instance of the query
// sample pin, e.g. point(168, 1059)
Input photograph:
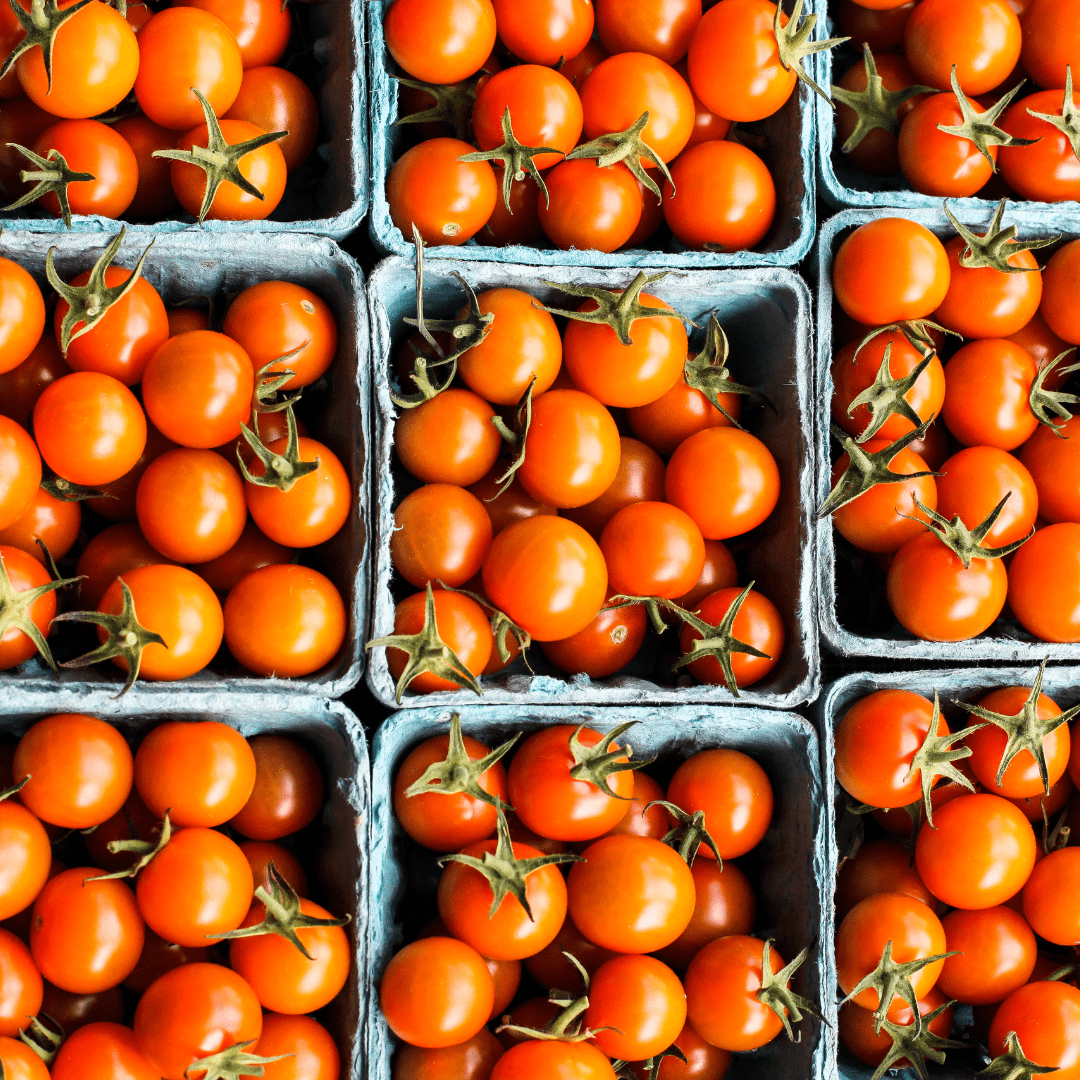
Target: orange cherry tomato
point(25, 572)
point(102, 1042)
point(274, 99)
point(260, 854)
point(154, 196)
point(288, 791)
point(588, 207)
point(1043, 593)
point(261, 27)
point(936, 162)
point(89, 146)
point(117, 499)
point(757, 623)
point(605, 646)
point(22, 315)
point(180, 49)
point(22, 385)
point(440, 41)
point(640, 479)
point(252, 551)
point(182, 320)
point(442, 534)
point(24, 868)
point(112, 552)
point(285, 620)
point(652, 549)
point(664, 423)
point(306, 1048)
point(449, 439)
point(661, 28)
point(545, 32)
point(23, 989)
point(19, 1062)
point(975, 480)
point(52, 521)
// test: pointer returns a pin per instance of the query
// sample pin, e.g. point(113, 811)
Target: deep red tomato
point(154, 196)
point(723, 195)
point(288, 791)
point(910, 285)
point(440, 41)
point(22, 385)
point(448, 200)
point(160, 956)
point(285, 620)
point(975, 480)
point(758, 623)
point(471, 1060)
point(78, 770)
point(703, 1060)
point(997, 955)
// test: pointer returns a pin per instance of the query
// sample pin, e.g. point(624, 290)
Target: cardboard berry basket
point(790, 868)
point(854, 614)
point(332, 848)
point(329, 194)
point(789, 156)
point(964, 684)
point(844, 186)
point(183, 267)
point(766, 316)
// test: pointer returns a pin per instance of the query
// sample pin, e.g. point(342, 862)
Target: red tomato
point(723, 195)
point(53, 521)
point(274, 99)
point(22, 385)
point(514, 504)
point(19, 1062)
point(308, 1050)
point(857, 1027)
point(471, 1060)
point(114, 551)
point(110, 1046)
point(605, 646)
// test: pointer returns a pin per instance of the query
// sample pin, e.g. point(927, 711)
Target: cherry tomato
point(89, 146)
point(26, 855)
point(25, 572)
point(19, 1062)
point(154, 197)
point(436, 992)
point(758, 623)
point(535, 1058)
point(545, 32)
point(880, 866)
point(440, 41)
point(659, 27)
point(703, 1060)
point(288, 791)
point(94, 61)
point(1045, 1017)
point(201, 773)
point(910, 285)
point(641, 1004)
point(517, 224)
point(78, 770)
point(448, 200)
point(936, 162)
point(676, 415)
point(117, 499)
point(719, 572)
point(723, 195)
point(1022, 779)
point(285, 620)
point(449, 439)
point(997, 955)
point(111, 1047)
point(197, 388)
point(191, 1012)
point(73, 1012)
point(183, 319)
point(975, 480)
point(505, 974)
point(652, 549)
point(158, 957)
point(183, 49)
point(981, 38)
point(274, 99)
point(544, 108)
point(605, 646)
point(654, 903)
point(307, 1049)
point(20, 472)
point(252, 551)
point(22, 986)
point(90, 428)
point(588, 207)
point(471, 1060)
point(261, 853)
point(1059, 307)
point(261, 27)
point(724, 904)
point(21, 124)
point(550, 967)
point(912, 927)
point(857, 1026)
point(548, 575)
point(85, 936)
point(1041, 576)
point(22, 315)
point(53, 521)
point(749, 83)
point(979, 853)
point(178, 605)
point(936, 599)
point(113, 551)
point(1054, 465)
point(640, 479)
point(22, 385)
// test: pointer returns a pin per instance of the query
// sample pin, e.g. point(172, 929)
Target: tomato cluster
point(963, 97)
point(203, 75)
point(978, 909)
point(643, 952)
point(212, 957)
point(579, 533)
point(589, 125)
point(960, 477)
point(188, 503)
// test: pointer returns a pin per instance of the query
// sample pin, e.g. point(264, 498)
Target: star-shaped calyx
point(467, 331)
point(887, 396)
point(916, 1043)
point(629, 148)
point(1046, 404)
point(502, 626)
point(915, 331)
point(688, 834)
point(89, 303)
point(708, 371)
point(594, 764)
point(794, 44)
point(1026, 730)
point(453, 104)
point(866, 470)
point(16, 607)
point(776, 993)
point(50, 175)
point(218, 159)
point(126, 637)
point(967, 544)
point(567, 1025)
point(280, 470)
point(874, 107)
point(516, 159)
point(504, 871)
point(980, 128)
point(619, 309)
point(427, 653)
point(936, 756)
point(40, 26)
point(1014, 1064)
point(625, 1070)
point(994, 248)
point(890, 980)
point(459, 774)
point(1068, 123)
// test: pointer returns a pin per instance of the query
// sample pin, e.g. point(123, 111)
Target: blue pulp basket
point(844, 186)
point(794, 892)
point(766, 316)
point(1006, 641)
point(337, 32)
point(336, 739)
point(966, 684)
point(791, 132)
point(182, 266)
